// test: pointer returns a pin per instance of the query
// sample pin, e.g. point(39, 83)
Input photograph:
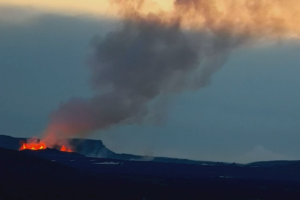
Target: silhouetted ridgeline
point(52, 174)
point(95, 148)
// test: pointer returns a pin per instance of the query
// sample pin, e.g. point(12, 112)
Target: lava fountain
point(34, 144)
point(63, 148)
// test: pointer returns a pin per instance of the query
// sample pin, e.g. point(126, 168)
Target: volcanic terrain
point(54, 174)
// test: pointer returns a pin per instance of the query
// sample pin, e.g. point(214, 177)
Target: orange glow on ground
point(63, 148)
point(40, 146)
point(33, 146)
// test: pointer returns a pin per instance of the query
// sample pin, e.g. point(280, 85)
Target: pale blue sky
point(250, 111)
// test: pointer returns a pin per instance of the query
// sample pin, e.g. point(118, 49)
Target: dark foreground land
point(50, 174)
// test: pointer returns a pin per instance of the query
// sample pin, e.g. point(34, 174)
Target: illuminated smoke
point(158, 53)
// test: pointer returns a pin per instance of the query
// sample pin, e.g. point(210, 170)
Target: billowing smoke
point(165, 52)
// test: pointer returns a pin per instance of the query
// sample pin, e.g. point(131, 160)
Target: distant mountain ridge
point(93, 148)
point(96, 148)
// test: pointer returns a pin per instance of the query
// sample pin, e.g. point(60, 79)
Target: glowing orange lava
point(63, 148)
point(40, 146)
point(33, 146)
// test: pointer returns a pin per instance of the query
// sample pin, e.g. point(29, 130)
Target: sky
point(248, 112)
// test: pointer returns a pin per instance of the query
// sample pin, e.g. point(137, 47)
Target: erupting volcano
point(63, 148)
point(33, 146)
point(136, 68)
point(40, 146)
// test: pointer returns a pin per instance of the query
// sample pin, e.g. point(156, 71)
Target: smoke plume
point(155, 53)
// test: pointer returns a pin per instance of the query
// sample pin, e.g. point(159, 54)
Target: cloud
point(218, 36)
point(67, 7)
point(94, 8)
point(157, 53)
point(17, 15)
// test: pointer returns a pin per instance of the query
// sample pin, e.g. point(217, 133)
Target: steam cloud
point(165, 52)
